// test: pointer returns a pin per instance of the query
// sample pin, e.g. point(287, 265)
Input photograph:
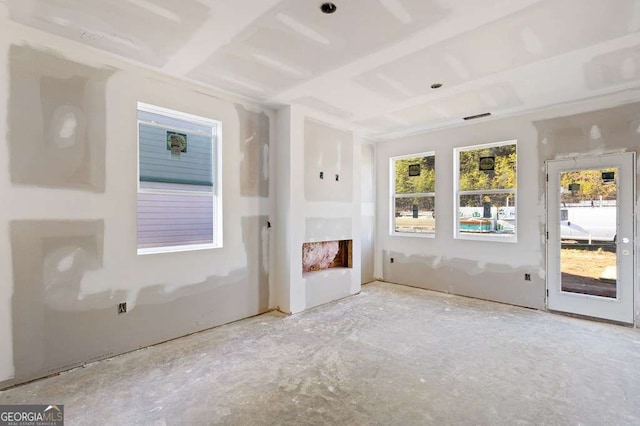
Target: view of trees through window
point(414, 197)
point(487, 190)
point(592, 188)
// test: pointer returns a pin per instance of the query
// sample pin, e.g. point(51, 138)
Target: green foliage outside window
point(424, 183)
point(503, 177)
point(591, 186)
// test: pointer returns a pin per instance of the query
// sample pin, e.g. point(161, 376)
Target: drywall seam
point(75, 51)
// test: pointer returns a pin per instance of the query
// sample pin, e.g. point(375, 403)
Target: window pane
point(415, 175)
point(487, 214)
point(415, 215)
point(189, 162)
point(176, 198)
point(488, 168)
point(166, 220)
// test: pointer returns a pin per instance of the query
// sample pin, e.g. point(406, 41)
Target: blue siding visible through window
point(174, 220)
point(176, 195)
point(158, 165)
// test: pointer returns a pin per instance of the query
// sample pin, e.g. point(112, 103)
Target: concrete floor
point(392, 355)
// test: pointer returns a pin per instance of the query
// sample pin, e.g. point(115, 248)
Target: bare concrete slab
point(391, 355)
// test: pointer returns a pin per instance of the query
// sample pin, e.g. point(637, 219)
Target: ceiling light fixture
point(328, 8)
point(436, 85)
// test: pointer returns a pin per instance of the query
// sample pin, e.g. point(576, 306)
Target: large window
point(413, 180)
point(486, 192)
point(178, 181)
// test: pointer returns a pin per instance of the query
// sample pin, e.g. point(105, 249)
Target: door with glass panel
point(590, 247)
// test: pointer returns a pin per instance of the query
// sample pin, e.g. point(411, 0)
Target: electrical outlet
point(122, 308)
point(337, 178)
point(392, 260)
point(527, 277)
point(321, 175)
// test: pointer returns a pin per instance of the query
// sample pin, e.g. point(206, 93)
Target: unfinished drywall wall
point(56, 121)
point(324, 229)
point(325, 286)
point(56, 326)
point(367, 224)
point(49, 262)
point(256, 236)
point(314, 209)
point(328, 161)
point(254, 145)
point(493, 281)
point(597, 132)
point(487, 269)
point(444, 263)
point(68, 257)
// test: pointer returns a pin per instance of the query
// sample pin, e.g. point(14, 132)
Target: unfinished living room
point(299, 212)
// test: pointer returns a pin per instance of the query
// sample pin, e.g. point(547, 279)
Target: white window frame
point(393, 196)
point(216, 190)
point(508, 238)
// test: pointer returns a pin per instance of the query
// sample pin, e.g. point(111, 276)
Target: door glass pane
point(588, 230)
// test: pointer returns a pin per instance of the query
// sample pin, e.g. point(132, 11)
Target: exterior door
point(591, 272)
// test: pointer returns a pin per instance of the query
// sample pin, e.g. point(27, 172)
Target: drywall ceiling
point(372, 62)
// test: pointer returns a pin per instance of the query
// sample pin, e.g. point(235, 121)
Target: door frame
point(551, 275)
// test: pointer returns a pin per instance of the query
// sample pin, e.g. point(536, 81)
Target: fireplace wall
point(318, 202)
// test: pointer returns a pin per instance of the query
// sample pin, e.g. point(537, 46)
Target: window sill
point(498, 238)
point(175, 249)
point(412, 234)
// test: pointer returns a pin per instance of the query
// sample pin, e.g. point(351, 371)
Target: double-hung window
point(178, 181)
point(413, 186)
point(485, 185)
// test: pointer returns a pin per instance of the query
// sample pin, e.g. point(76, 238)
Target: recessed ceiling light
point(328, 8)
point(436, 85)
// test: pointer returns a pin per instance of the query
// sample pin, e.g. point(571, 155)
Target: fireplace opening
point(326, 255)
